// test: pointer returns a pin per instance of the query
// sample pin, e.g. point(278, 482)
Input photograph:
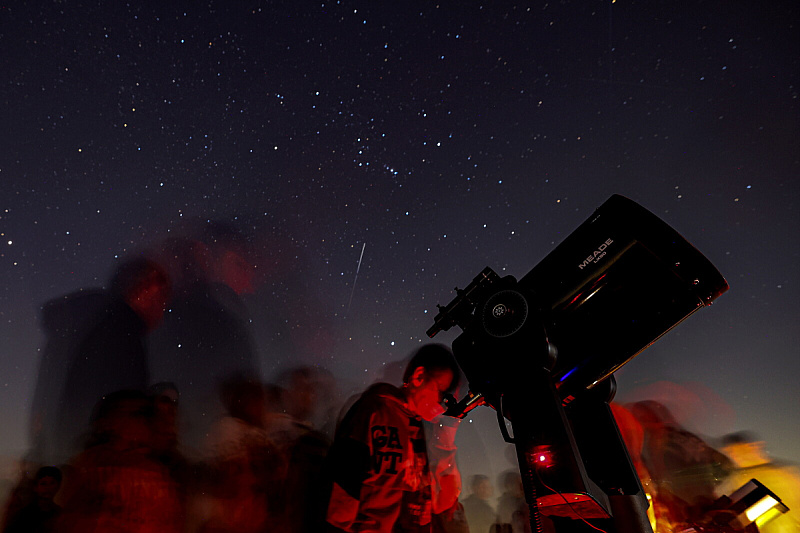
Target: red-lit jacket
point(387, 477)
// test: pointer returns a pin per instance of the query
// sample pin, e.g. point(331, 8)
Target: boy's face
point(47, 487)
point(427, 392)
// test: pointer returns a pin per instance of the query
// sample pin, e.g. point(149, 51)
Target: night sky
point(376, 155)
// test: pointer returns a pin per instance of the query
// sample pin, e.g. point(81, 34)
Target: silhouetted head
point(145, 287)
point(48, 481)
point(511, 481)
point(244, 399)
point(481, 486)
point(304, 388)
point(651, 413)
point(740, 437)
point(431, 373)
point(745, 449)
point(123, 418)
point(227, 257)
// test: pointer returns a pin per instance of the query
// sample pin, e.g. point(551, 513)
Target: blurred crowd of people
point(259, 469)
point(216, 449)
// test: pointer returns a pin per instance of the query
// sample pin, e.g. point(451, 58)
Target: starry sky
point(377, 154)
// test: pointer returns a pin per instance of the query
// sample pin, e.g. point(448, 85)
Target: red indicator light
point(542, 457)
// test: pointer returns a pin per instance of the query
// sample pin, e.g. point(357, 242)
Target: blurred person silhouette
point(164, 443)
point(392, 461)
point(310, 397)
point(281, 424)
point(41, 512)
point(206, 335)
point(278, 423)
point(245, 470)
point(751, 461)
point(165, 397)
point(305, 400)
point(116, 484)
point(307, 397)
point(684, 470)
point(512, 500)
point(95, 343)
point(480, 513)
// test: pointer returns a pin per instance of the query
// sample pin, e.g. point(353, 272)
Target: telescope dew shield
point(616, 284)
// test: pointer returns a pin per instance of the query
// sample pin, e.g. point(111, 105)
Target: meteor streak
point(355, 279)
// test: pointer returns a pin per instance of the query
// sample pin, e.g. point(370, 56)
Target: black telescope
point(542, 351)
